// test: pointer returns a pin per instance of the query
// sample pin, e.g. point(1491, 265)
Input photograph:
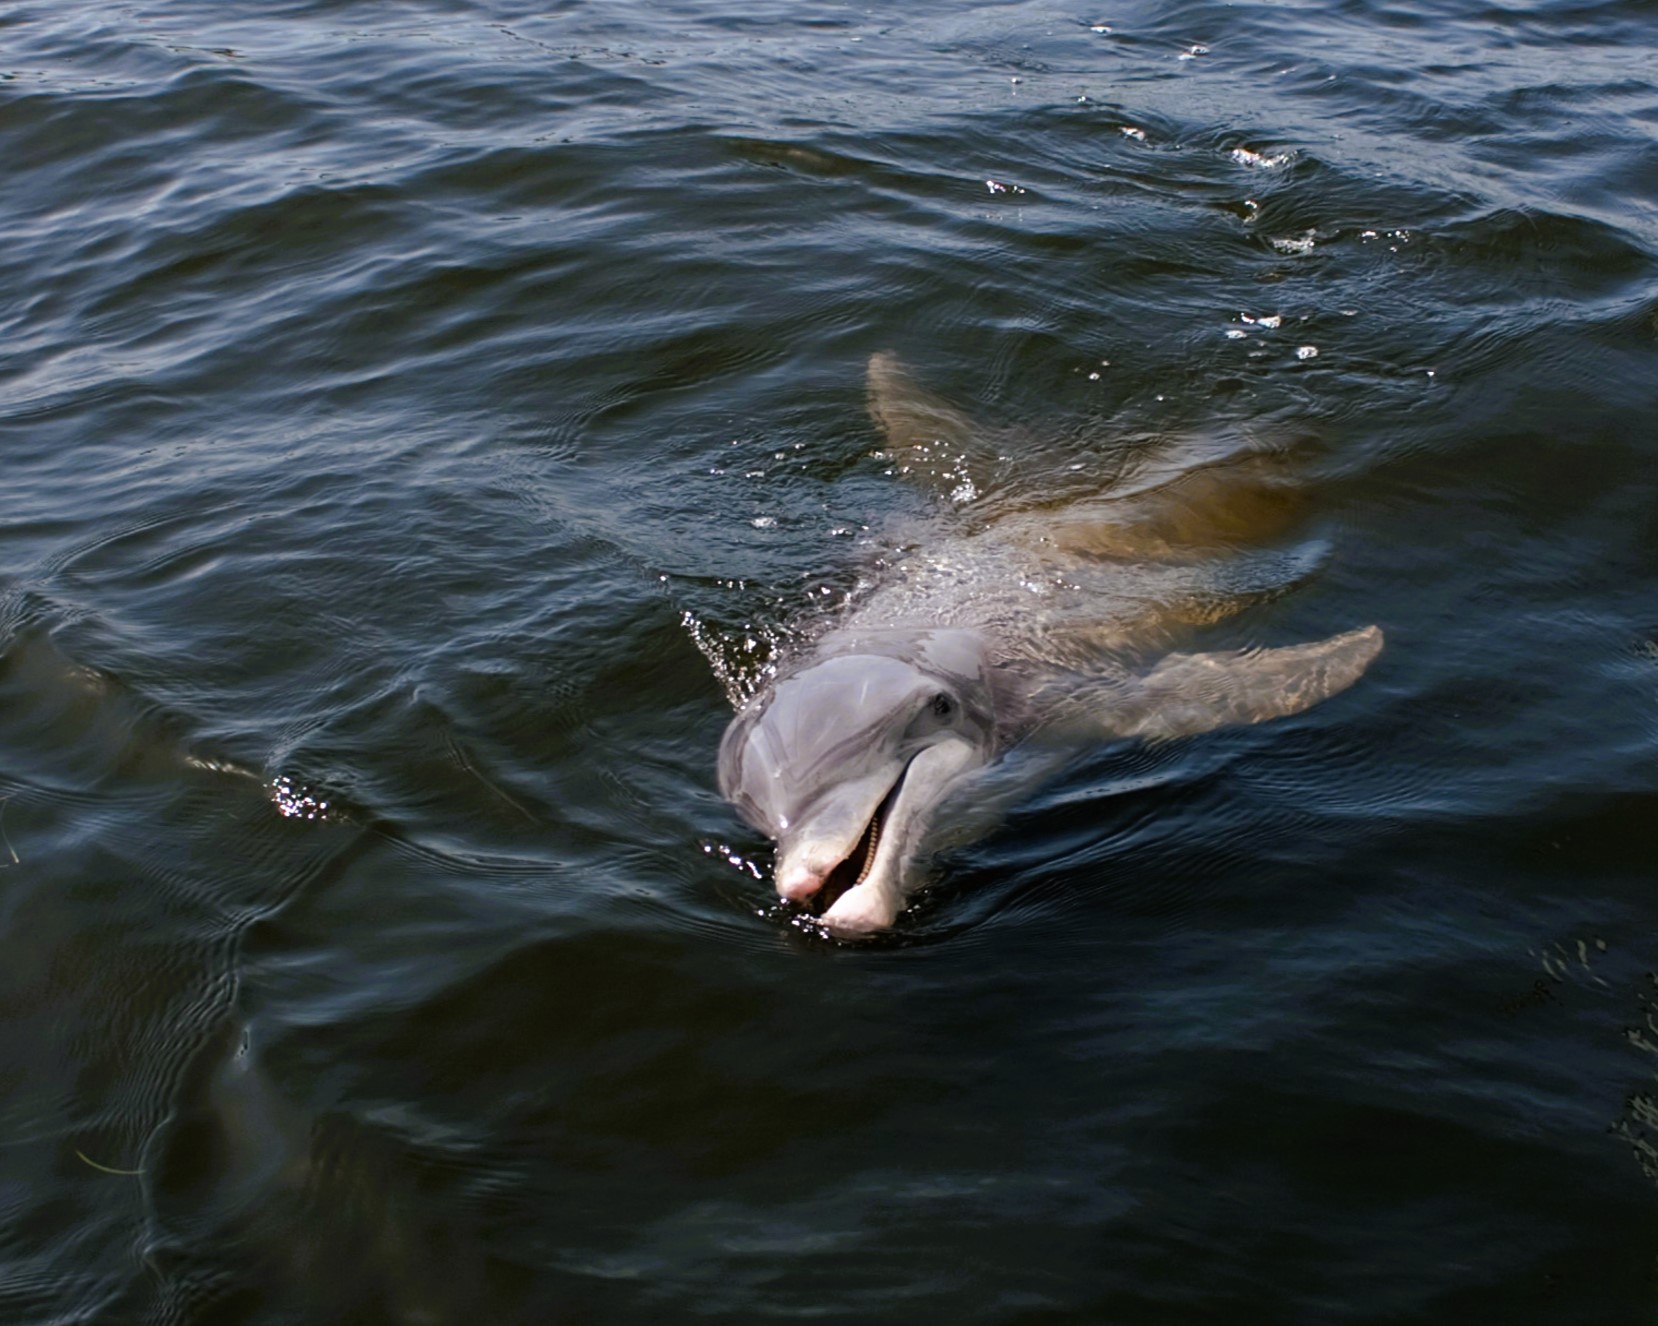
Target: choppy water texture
point(394, 397)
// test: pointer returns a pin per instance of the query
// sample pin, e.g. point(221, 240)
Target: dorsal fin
point(1218, 491)
point(927, 439)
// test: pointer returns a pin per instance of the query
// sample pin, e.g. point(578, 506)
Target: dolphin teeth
point(872, 841)
point(878, 823)
point(841, 879)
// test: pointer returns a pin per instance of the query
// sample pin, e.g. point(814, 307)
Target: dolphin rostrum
point(1025, 621)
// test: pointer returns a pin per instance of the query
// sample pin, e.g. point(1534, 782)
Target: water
point(393, 396)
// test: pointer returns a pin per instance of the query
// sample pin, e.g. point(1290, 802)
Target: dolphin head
point(845, 762)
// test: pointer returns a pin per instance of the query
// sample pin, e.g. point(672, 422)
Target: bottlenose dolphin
point(1020, 624)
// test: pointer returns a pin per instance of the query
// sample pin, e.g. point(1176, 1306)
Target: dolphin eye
point(943, 706)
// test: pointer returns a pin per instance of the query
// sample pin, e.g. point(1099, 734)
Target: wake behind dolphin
point(1025, 619)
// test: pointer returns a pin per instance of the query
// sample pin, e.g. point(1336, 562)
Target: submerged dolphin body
point(1025, 621)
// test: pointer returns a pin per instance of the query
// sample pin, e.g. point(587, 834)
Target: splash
point(295, 801)
point(741, 663)
point(732, 857)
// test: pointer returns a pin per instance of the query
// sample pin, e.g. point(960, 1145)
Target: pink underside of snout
point(861, 911)
point(798, 882)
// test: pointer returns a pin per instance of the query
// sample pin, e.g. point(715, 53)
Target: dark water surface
point(393, 396)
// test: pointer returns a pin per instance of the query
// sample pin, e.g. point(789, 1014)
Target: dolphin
point(1020, 623)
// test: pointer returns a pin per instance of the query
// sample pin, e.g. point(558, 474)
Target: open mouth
point(854, 870)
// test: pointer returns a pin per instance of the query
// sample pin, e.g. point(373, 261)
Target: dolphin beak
point(874, 899)
point(835, 851)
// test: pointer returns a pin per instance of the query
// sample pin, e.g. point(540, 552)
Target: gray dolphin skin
point(1019, 625)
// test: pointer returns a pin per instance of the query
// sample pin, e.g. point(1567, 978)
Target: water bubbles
point(764, 522)
point(212, 764)
point(1266, 322)
point(1298, 246)
point(1261, 160)
point(1270, 321)
point(1401, 236)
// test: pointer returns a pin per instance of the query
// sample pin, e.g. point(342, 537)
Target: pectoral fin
point(1190, 693)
